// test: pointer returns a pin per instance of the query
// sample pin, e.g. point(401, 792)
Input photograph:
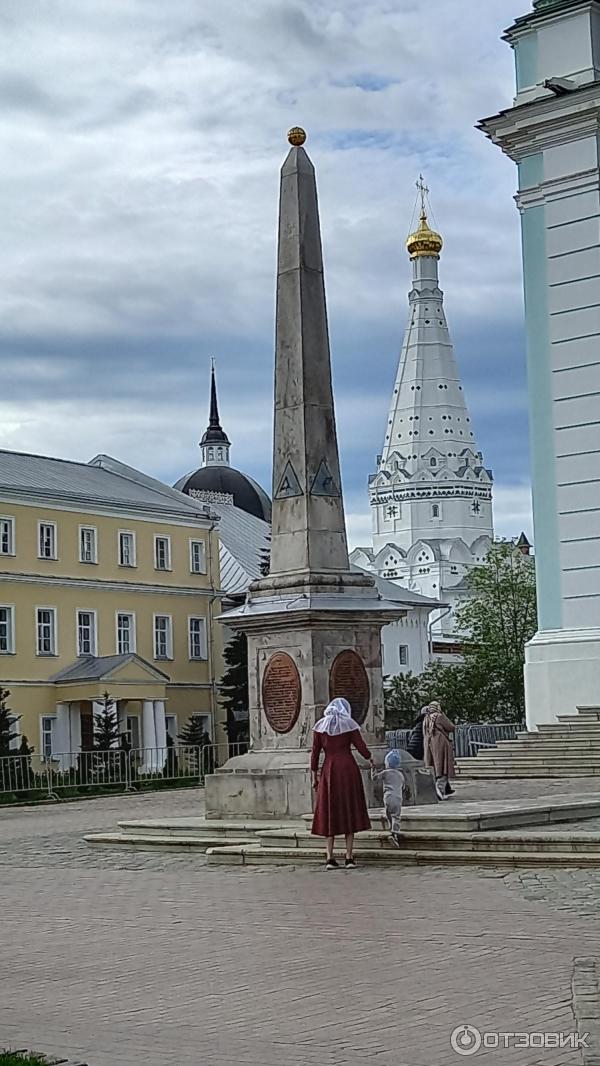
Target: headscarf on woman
point(337, 719)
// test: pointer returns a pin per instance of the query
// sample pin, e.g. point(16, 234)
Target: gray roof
point(244, 539)
point(390, 591)
point(103, 480)
point(93, 668)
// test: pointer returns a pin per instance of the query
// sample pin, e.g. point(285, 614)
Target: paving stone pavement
point(124, 958)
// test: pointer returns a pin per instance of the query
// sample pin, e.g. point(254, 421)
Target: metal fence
point(65, 775)
point(468, 738)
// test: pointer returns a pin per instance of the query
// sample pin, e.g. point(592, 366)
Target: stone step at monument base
point(524, 840)
point(255, 855)
point(154, 841)
point(446, 828)
point(455, 816)
point(182, 833)
point(244, 829)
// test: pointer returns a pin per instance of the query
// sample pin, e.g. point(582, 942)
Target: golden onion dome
point(424, 241)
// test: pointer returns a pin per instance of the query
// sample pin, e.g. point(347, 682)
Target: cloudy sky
point(141, 147)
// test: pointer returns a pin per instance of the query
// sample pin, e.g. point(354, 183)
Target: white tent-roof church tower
point(431, 497)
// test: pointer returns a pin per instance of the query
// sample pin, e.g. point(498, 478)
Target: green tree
point(403, 697)
point(233, 688)
point(462, 695)
point(8, 722)
point(194, 735)
point(497, 621)
point(106, 725)
point(15, 768)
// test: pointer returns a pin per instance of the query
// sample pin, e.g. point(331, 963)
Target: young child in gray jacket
point(393, 787)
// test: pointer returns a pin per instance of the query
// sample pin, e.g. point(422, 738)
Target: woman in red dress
point(341, 808)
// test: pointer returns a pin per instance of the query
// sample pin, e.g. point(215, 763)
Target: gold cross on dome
point(424, 191)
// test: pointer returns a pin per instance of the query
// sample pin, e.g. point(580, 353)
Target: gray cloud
point(139, 187)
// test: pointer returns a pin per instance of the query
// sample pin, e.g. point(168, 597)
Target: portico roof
point(107, 667)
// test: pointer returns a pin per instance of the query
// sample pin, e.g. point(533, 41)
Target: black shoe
point(331, 864)
point(350, 864)
point(450, 791)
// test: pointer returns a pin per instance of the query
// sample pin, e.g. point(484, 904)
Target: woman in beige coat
point(439, 754)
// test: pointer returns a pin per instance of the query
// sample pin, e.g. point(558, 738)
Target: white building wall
point(554, 140)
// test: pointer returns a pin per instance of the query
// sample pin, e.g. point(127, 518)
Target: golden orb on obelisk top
point(297, 136)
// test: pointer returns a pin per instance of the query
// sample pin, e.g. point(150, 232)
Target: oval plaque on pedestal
point(281, 692)
point(348, 678)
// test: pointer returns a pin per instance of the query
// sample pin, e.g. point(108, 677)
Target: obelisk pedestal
point(313, 625)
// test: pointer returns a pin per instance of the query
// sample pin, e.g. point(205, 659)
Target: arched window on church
point(211, 453)
point(219, 453)
point(435, 510)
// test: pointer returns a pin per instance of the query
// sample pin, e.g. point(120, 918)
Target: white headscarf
point(337, 719)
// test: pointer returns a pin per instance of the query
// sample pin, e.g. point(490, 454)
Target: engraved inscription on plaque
point(281, 692)
point(348, 678)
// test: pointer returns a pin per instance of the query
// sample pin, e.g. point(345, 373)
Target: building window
point(171, 724)
point(47, 726)
point(403, 654)
point(7, 630)
point(86, 632)
point(197, 557)
point(47, 540)
point(198, 642)
point(88, 552)
point(163, 637)
point(46, 630)
point(7, 536)
point(125, 633)
point(126, 549)
point(433, 462)
point(435, 511)
point(162, 553)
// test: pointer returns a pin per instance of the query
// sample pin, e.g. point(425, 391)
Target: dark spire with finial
point(214, 437)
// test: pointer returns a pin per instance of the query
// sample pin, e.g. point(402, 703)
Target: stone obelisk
point(313, 625)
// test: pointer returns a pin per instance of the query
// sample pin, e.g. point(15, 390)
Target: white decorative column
point(67, 735)
point(160, 727)
point(62, 736)
point(148, 736)
point(552, 135)
point(75, 727)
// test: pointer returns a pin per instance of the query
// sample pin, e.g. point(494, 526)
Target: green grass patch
point(18, 1058)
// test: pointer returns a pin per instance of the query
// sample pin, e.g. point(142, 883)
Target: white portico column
point(148, 736)
point(62, 736)
point(67, 735)
point(160, 727)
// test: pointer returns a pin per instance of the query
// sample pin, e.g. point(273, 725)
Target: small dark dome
point(247, 494)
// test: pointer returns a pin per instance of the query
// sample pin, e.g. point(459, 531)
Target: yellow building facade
point(109, 582)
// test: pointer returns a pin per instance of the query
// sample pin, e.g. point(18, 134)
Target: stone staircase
point(567, 748)
point(496, 833)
